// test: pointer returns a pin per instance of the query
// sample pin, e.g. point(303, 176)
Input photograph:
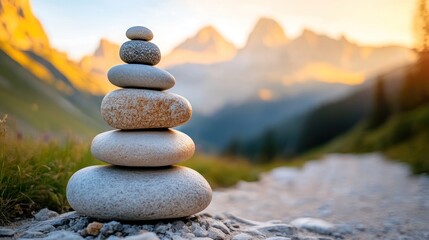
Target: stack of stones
point(142, 183)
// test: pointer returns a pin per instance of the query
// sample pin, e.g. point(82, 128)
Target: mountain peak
point(106, 48)
point(208, 32)
point(206, 46)
point(266, 33)
point(308, 33)
point(310, 37)
point(207, 37)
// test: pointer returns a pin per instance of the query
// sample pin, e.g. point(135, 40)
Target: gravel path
point(339, 197)
point(368, 196)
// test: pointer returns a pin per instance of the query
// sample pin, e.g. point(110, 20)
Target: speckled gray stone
point(140, 76)
point(145, 148)
point(138, 51)
point(120, 193)
point(139, 33)
point(142, 109)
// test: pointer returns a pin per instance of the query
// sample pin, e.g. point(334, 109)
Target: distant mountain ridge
point(274, 69)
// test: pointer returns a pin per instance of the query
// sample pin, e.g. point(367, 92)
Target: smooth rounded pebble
point(147, 148)
point(139, 33)
point(141, 109)
point(140, 76)
point(142, 52)
point(120, 193)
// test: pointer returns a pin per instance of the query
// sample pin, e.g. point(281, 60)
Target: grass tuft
point(34, 174)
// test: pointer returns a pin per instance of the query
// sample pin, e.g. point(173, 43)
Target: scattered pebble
point(314, 224)
point(94, 228)
point(242, 236)
point(6, 232)
point(31, 234)
point(63, 235)
point(45, 214)
point(144, 236)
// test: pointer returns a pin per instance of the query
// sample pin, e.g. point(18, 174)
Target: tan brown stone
point(94, 228)
point(141, 109)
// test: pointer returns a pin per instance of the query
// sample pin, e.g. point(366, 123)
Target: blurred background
point(271, 83)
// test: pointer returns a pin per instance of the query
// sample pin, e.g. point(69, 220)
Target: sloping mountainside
point(41, 89)
point(35, 107)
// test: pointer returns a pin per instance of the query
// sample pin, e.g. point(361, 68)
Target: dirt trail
point(378, 197)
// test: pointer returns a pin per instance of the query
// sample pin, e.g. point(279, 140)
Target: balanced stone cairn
point(142, 183)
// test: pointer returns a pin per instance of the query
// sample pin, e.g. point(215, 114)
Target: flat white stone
point(141, 109)
point(121, 193)
point(140, 76)
point(145, 148)
point(139, 33)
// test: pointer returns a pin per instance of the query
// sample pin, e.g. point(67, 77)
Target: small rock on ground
point(6, 232)
point(45, 214)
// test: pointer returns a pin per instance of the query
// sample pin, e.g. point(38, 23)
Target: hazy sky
point(76, 26)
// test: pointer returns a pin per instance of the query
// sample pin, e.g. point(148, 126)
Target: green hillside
point(35, 107)
point(403, 137)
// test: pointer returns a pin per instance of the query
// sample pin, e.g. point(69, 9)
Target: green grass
point(33, 174)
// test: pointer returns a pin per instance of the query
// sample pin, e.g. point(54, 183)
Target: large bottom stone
point(121, 193)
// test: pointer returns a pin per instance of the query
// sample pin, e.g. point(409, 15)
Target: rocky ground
point(367, 196)
point(72, 226)
point(339, 197)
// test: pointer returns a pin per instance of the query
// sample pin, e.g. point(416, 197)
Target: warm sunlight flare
point(265, 94)
point(329, 73)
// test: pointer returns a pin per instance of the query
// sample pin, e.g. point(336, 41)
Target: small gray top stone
point(139, 33)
